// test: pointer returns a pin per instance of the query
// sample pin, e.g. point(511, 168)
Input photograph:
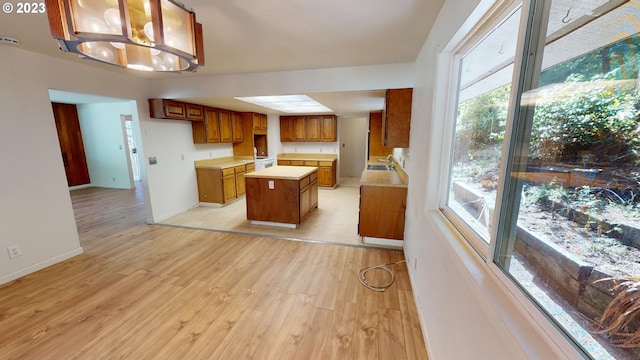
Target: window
point(545, 168)
point(485, 72)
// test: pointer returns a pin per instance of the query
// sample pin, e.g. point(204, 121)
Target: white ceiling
point(280, 35)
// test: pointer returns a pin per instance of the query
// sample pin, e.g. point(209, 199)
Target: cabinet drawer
point(240, 168)
point(284, 162)
point(250, 167)
point(325, 163)
point(297, 162)
point(305, 181)
point(310, 163)
point(228, 171)
point(313, 177)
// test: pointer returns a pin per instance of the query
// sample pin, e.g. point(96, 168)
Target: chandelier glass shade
point(148, 35)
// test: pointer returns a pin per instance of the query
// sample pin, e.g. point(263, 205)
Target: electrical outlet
point(114, 179)
point(271, 185)
point(415, 263)
point(14, 251)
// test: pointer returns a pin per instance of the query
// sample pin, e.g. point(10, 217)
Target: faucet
point(390, 160)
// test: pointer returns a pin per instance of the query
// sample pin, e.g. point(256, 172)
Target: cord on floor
point(364, 282)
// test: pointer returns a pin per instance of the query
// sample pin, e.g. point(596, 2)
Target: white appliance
point(263, 162)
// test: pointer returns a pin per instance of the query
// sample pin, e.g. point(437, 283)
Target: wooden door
point(71, 145)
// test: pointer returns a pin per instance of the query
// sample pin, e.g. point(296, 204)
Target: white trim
point(270, 223)
point(41, 265)
point(382, 241)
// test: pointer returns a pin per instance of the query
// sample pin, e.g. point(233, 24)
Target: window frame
point(529, 53)
point(492, 18)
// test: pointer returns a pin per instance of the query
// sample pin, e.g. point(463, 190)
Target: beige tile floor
point(335, 220)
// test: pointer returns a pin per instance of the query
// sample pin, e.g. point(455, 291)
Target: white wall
point(104, 143)
point(465, 311)
point(36, 211)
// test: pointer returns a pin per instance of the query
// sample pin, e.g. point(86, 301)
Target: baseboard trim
point(381, 241)
point(41, 265)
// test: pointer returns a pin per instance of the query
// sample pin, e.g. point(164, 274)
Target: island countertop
point(283, 172)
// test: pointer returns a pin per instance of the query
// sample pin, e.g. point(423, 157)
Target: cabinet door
point(325, 176)
point(212, 125)
point(263, 123)
point(236, 123)
point(299, 128)
point(240, 188)
point(229, 186)
point(194, 112)
point(305, 201)
point(259, 124)
point(173, 109)
point(313, 128)
point(226, 128)
point(396, 118)
point(286, 128)
point(328, 128)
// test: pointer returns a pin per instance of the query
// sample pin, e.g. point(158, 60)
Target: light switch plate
point(272, 184)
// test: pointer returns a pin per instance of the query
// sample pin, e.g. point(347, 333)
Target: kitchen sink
point(380, 167)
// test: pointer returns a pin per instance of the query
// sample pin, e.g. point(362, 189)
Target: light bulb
point(112, 18)
point(103, 53)
point(95, 25)
point(148, 30)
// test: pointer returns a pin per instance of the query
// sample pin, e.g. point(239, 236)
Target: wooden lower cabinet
point(281, 200)
point(382, 212)
point(240, 187)
point(327, 173)
point(221, 186)
point(326, 170)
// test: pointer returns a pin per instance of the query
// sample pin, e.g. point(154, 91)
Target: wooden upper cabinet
point(286, 125)
point(194, 112)
point(311, 128)
point(226, 128)
point(328, 128)
point(396, 118)
point(236, 127)
point(259, 124)
point(299, 128)
point(314, 132)
point(207, 131)
point(167, 109)
point(212, 125)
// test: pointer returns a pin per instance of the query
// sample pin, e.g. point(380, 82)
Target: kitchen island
point(281, 195)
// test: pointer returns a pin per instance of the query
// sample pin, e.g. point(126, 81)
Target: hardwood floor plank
point(155, 292)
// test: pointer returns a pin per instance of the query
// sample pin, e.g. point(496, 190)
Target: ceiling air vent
point(9, 41)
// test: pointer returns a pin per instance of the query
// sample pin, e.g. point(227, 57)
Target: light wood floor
point(335, 220)
point(155, 292)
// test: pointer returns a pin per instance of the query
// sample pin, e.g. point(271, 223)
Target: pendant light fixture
point(148, 35)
